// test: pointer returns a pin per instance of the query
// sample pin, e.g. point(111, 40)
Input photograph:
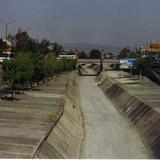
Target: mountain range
point(87, 47)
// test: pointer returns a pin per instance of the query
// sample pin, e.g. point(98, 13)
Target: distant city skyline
point(107, 22)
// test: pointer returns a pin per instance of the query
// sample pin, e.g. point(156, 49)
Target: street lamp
point(6, 24)
point(7, 28)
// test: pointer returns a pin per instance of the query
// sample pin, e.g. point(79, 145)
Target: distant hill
point(87, 47)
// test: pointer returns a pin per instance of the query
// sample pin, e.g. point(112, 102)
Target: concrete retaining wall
point(64, 141)
point(95, 67)
point(142, 116)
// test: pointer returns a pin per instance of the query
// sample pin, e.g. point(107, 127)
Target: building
point(65, 56)
point(153, 50)
point(7, 53)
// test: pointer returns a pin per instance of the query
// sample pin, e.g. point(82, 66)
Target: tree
point(9, 75)
point(21, 41)
point(38, 67)
point(43, 47)
point(143, 66)
point(30, 64)
point(127, 53)
point(82, 55)
point(19, 71)
point(33, 46)
point(57, 49)
point(95, 54)
point(49, 67)
point(53, 66)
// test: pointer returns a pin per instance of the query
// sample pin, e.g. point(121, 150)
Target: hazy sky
point(110, 22)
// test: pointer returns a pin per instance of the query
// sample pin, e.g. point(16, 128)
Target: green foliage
point(43, 47)
point(95, 54)
point(21, 40)
point(23, 43)
point(49, 67)
point(9, 69)
point(127, 53)
point(33, 46)
point(38, 66)
point(57, 49)
point(19, 71)
point(143, 65)
point(82, 55)
point(53, 66)
point(31, 63)
point(27, 68)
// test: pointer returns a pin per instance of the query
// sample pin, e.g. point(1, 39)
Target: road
point(107, 133)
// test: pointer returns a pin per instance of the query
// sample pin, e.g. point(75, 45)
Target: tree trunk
point(12, 95)
point(37, 83)
point(141, 76)
point(31, 85)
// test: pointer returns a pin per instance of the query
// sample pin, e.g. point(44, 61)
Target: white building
point(65, 56)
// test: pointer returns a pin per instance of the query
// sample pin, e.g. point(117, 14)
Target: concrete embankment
point(88, 70)
point(64, 140)
point(25, 122)
point(139, 101)
point(95, 67)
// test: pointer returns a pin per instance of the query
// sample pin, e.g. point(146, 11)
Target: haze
point(108, 22)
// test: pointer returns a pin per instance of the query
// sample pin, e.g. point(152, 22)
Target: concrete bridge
point(96, 61)
point(102, 63)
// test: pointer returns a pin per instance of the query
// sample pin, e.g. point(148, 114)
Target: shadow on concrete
point(80, 69)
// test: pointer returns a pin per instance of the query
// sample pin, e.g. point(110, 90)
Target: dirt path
point(107, 133)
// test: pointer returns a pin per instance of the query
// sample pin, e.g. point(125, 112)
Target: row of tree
point(22, 42)
point(127, 53)
point(29, 68)
point(33, 62)
point(94, 54)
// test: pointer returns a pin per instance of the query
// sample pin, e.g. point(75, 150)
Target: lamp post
point(7, 27)
point(1, 32)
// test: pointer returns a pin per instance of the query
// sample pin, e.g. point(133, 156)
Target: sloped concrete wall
point(95, 67)
point(64, 141)
point(141, 115)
